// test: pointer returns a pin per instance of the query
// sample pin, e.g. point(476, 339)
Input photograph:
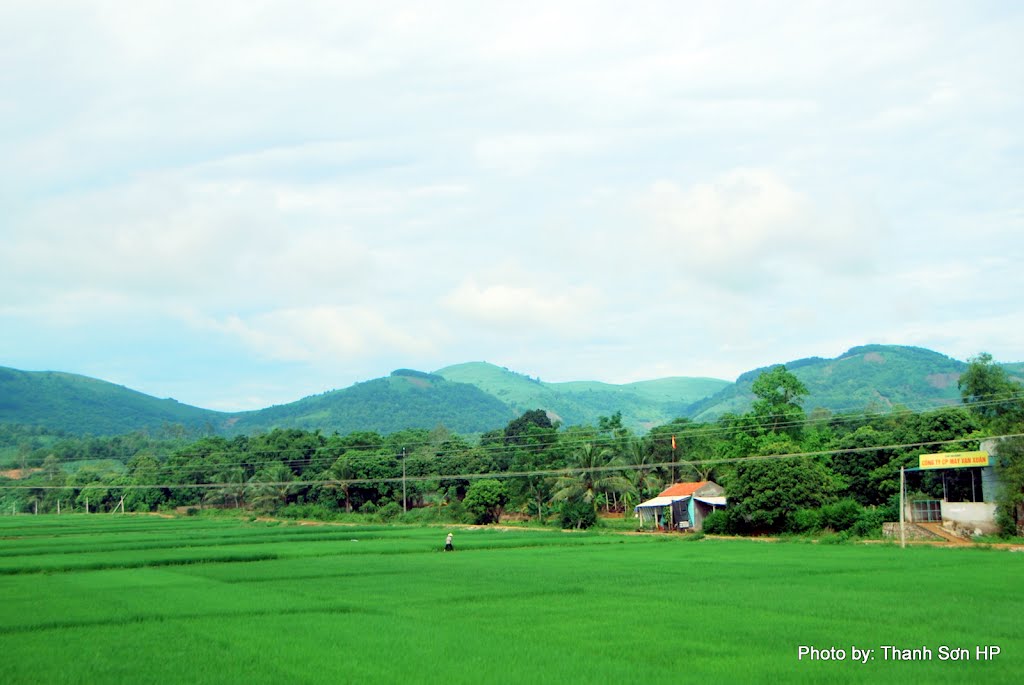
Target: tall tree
point(486, 499)
point(991, 394)
point(779, 396)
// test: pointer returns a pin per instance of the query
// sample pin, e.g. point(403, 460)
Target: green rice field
point(149, 600)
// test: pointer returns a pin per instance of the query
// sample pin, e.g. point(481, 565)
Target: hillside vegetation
point(784, 469)
point(643, 404)
point(869, 378)
point(71, 403)
point(406, 399)
point(477, 397)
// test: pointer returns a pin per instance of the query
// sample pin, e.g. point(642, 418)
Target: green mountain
point(406, 399)
point(643, 404)
point(79, 404)
point(869, 378)
point(476, 397)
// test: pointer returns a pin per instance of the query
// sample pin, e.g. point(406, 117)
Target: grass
point(148, 600)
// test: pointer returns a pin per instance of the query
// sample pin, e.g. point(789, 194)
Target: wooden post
point(58, 507)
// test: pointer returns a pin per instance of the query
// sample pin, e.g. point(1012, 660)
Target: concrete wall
point(989, 482)
point(912, 532)
point(971, 515)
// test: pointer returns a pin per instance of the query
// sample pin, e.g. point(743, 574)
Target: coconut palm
point(640, 472)
point(340, 473)
point(593, 470)
point(271, 486)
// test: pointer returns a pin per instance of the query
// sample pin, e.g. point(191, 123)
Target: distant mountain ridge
point(643, 404)
point(405, 399)
point(476, 397)
point(78, 404)
point(865, 378)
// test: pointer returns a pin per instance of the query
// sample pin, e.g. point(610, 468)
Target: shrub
point(869, 525)
point(804, 521)
point(390, 511)
point(717, 523)
point(841, 515)
point(317, 512)
point(577, 513)
point(835, 538)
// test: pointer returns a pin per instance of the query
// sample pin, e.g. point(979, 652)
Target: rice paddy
point(151, 600)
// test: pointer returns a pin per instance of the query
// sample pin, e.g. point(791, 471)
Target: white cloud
point(520, 154)
point(325, 335)
point(557, 310)
point(748, 228)
point(583, 189)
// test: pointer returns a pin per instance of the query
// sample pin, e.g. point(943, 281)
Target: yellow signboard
point(954, 460)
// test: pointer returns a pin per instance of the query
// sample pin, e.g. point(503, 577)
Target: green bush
point(835, 538)
point(869, 525)
point(841, 515)
point(718, 523)
point(390, 511)
point(804, 521)
point(577, 513)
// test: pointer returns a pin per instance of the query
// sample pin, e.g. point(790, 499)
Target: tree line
point(783, 469)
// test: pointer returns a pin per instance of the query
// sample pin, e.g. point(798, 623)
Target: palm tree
point(640, 471)
point(271, 486)
point(593, 470)
point(234, 486)
point(341, 472)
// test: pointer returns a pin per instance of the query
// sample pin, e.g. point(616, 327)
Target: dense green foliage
point(147, 600)
point(783, 470)
point(405, 400)
point(642, 404)
point(485, 500)
point(1010, 470)
point(77, 404)
point(477, 397)
point(870, 378)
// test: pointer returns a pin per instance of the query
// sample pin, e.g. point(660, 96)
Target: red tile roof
point(683, 489)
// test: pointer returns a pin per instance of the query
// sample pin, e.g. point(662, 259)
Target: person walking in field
point(448, 544)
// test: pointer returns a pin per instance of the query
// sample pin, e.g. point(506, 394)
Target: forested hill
point(406, 399)
point(872, 378)
point(66, 402)
point(477, 397)
point(643, 404)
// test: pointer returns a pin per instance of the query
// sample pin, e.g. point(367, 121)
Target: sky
point(239, 204)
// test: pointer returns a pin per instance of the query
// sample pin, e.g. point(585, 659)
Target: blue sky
point(246, 205)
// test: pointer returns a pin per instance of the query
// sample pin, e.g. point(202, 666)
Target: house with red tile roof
point(682, 506)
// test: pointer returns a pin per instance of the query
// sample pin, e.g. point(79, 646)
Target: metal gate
point(927, 511)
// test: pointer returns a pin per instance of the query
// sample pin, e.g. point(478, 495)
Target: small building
point(683, 506)
point(971, 509)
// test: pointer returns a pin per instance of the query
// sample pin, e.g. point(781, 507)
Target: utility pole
point(404, 509)
point(903, 487)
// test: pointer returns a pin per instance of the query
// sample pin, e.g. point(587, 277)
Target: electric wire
point(298, 456)
point(566, 471)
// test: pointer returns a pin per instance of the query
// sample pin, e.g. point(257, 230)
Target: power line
point(744, 423)
point(566, 471)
